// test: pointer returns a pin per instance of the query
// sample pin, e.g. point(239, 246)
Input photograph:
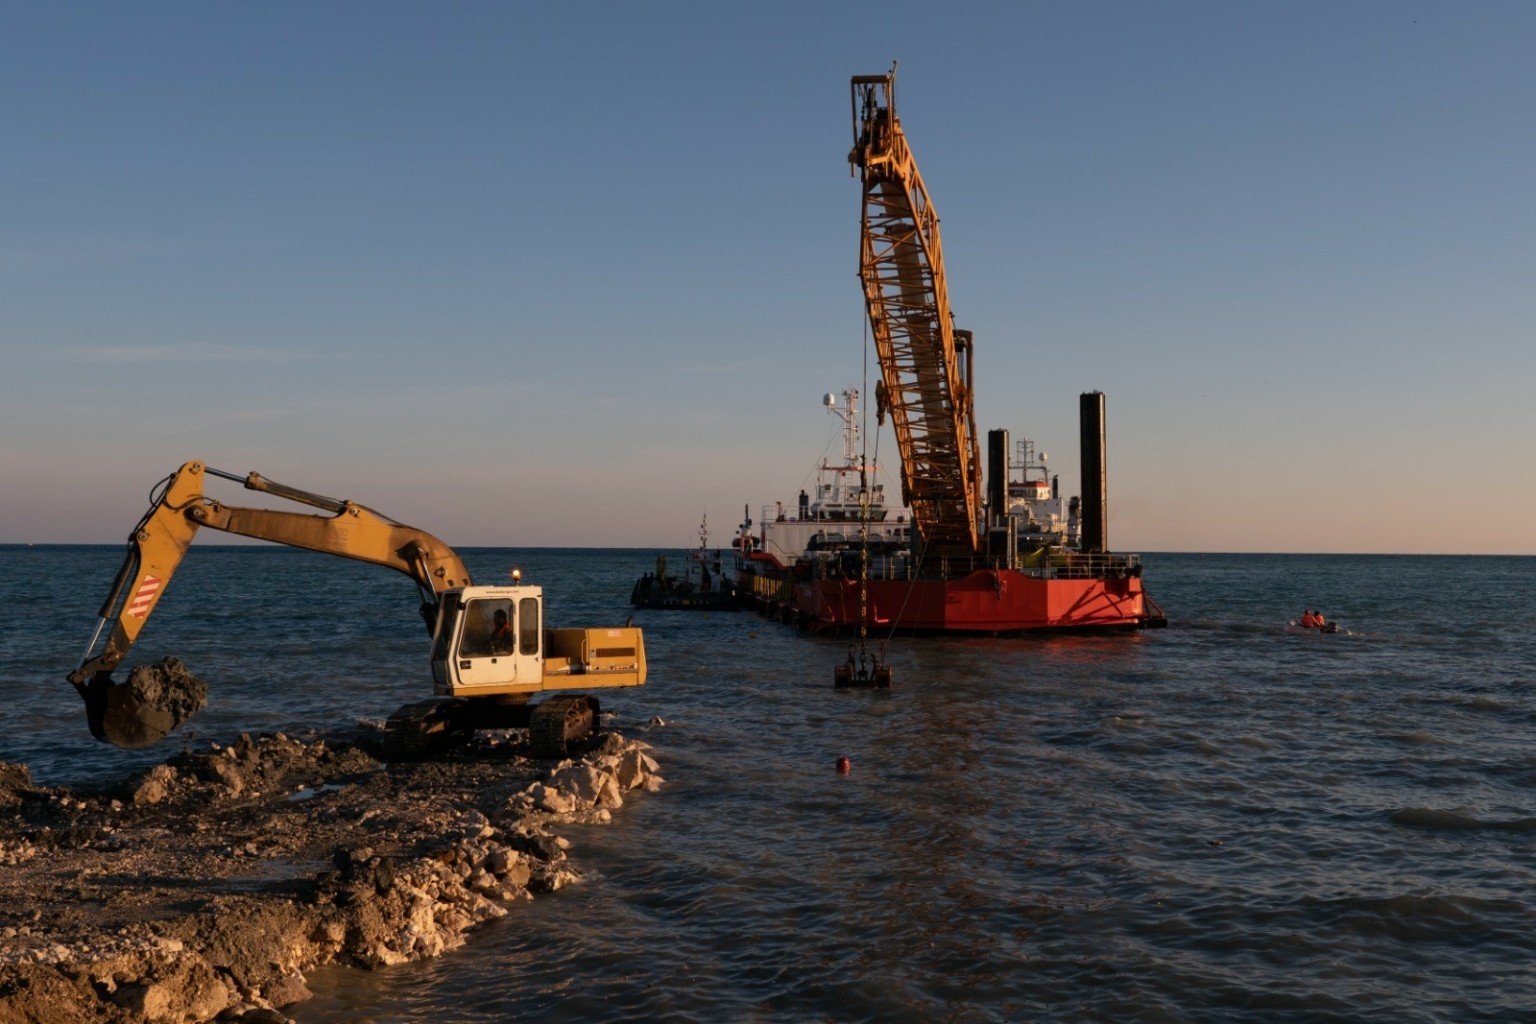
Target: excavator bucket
point(144, 710)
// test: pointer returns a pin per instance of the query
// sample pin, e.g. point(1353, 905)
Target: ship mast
point(925, 385)
point(853, 458)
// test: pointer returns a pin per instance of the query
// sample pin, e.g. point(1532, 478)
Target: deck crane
point(1016, 558)
point(925, 362)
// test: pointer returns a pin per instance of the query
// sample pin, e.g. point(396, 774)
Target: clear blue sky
point(575, 273)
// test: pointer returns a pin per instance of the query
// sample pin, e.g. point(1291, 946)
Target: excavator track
point(560, 721)
point(418, 731)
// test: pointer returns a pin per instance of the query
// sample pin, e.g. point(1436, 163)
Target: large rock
point(15, 783)
point(170, 688)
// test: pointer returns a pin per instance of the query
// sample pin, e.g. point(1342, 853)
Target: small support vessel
point(701, 586)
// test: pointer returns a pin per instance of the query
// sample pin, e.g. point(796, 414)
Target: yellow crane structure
point(925, 362)
point(1014, 558)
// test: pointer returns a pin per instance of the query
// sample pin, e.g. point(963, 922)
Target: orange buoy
point(843, 766)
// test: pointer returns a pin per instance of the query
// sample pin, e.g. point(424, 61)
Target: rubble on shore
point(205, 888)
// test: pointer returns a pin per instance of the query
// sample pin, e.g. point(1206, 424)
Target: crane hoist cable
point(863, 669)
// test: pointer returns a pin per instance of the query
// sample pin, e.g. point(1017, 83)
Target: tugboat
point(701, 586)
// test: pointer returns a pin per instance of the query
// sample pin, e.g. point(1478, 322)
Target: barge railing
point(1058, 565)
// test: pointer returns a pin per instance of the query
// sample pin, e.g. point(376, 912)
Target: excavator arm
point(925, 383)
point(178, 509)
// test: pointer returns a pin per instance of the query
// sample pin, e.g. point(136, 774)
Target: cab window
point(447, 620)
point(488, 628)
point(528, 625)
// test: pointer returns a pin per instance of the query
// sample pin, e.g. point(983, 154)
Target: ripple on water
point(1217, 821)
point(1448, 820)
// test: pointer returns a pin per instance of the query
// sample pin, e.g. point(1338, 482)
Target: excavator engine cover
point(142, 711)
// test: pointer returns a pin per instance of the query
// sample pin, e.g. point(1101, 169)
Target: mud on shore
point(205, 888)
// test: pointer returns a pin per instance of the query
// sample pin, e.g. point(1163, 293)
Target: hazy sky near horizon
point(533, 274)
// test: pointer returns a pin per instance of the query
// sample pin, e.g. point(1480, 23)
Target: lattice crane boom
point(925, 382)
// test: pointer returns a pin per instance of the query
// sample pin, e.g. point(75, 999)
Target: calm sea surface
point(1218, 821)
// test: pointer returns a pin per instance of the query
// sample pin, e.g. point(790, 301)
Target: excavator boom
point(121, 715)
point(925, 385)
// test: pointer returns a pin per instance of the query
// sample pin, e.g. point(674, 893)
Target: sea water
point(1223, 820)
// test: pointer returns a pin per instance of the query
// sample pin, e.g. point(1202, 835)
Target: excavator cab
point(492, 642)
point(489, 640)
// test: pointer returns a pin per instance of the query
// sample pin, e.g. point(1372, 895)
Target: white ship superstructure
point(847, 499)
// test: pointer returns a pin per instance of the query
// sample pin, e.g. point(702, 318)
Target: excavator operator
point(501, 633)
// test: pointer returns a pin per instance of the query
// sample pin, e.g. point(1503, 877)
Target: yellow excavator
point(491, 652)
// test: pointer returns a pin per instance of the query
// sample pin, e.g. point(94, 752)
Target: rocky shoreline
point(205, 888)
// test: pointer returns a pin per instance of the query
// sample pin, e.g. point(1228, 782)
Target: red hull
point(986, 601)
